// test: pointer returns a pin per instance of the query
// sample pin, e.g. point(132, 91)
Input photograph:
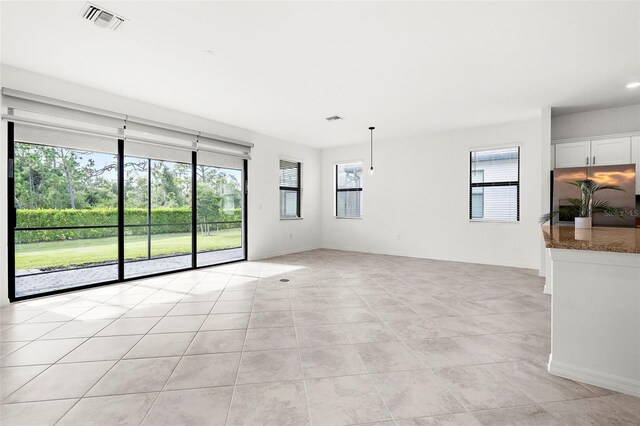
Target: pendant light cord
point(371, 129)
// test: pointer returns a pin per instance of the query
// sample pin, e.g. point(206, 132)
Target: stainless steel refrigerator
point(623, 176)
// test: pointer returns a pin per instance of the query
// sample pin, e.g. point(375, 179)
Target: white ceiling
point(281, 68)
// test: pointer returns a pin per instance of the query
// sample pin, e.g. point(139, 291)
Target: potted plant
point(584, 207)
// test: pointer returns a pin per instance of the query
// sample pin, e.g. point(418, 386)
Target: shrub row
point(41, 218)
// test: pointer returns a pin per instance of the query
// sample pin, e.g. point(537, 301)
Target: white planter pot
point(583, 222)
point(583, 234)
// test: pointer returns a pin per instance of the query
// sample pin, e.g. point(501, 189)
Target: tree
point(61, 178)
point(69, 165)
point(54, 177)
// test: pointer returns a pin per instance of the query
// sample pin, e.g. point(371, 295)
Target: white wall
point(596, 123)
point(419, 190)
point(417, 202)
point(267, 234)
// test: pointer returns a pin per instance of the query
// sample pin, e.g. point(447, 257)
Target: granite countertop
point(619, 240)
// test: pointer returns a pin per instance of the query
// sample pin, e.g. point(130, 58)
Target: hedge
point(40, 218)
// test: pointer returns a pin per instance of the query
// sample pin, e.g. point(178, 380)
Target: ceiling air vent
point(101, 17)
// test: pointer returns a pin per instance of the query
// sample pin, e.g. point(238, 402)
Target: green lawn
point(79, 252)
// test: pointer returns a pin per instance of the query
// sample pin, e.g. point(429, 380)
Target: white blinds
point(289, 173)
point(45, 121)
point(494, 184)
point(139, 131)
point(349, 175)
point(25, 105)
point(142, 137)
point(225, 146)
point(289, 189)
point(349, 190)
point(218, 160)
point(495, 165)
point(33, 134)
point(146, 140)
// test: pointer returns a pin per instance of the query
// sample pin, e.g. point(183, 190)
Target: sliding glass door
point(220, 207)
point(157, 216)
point(65, 199)
point(89, 210)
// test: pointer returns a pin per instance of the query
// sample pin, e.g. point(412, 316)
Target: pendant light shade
point(371, 129)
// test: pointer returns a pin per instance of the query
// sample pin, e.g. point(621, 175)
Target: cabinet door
point(606, 152)
point(635, 158)
point(574, 154)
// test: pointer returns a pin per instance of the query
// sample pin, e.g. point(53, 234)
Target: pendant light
point(371, 129)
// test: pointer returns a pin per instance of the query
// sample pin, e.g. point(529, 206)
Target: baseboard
point(416, 256)
point(596, 378)
point(268, 255)
point(546, 289)
point(263, 256)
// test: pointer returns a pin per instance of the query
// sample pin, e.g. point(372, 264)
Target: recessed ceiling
point(281, 68)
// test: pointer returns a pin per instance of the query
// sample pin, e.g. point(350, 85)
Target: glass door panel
point(66, 216)
point(220, 205)
point(157, 216)
point(136, 216)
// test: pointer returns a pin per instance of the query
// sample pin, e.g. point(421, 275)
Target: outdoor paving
point(34, 281)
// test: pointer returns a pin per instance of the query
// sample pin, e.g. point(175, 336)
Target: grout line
point(117, 361)
point(195, 334)
point(244, 341)
point(613, 401)
point(364, 368)
point(333, 294)
point(47, 368)
point(121, 358)
point(87, 391)
point(412, 352)
point(54, 363)
point(304, 381)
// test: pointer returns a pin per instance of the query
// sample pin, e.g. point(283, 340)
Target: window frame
point(298, 190)
point(121, 257)
point(338, 190)
point(485, 184)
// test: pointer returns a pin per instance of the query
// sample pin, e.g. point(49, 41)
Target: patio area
point(35, 281)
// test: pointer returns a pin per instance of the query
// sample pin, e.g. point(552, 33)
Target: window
point(477, 195)
point(494, 185)
point(290, 189)
point(349, 190)
point(65, 200)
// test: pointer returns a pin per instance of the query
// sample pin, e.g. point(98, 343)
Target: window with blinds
point(290, 182)
point(349, 190)
point(494, 185)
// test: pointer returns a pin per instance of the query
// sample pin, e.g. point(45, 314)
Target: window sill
point(348, 218)
point(291, 218)
point(492, 221)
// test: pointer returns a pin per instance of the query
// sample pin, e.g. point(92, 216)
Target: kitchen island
point(595, 308)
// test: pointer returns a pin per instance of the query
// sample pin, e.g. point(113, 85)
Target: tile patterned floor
point(350, 339)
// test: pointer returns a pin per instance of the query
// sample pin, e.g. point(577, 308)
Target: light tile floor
point(350, 339)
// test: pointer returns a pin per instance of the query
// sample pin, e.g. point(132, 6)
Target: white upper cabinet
point(574, 154)
point(599, 152)
point(605, 152)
